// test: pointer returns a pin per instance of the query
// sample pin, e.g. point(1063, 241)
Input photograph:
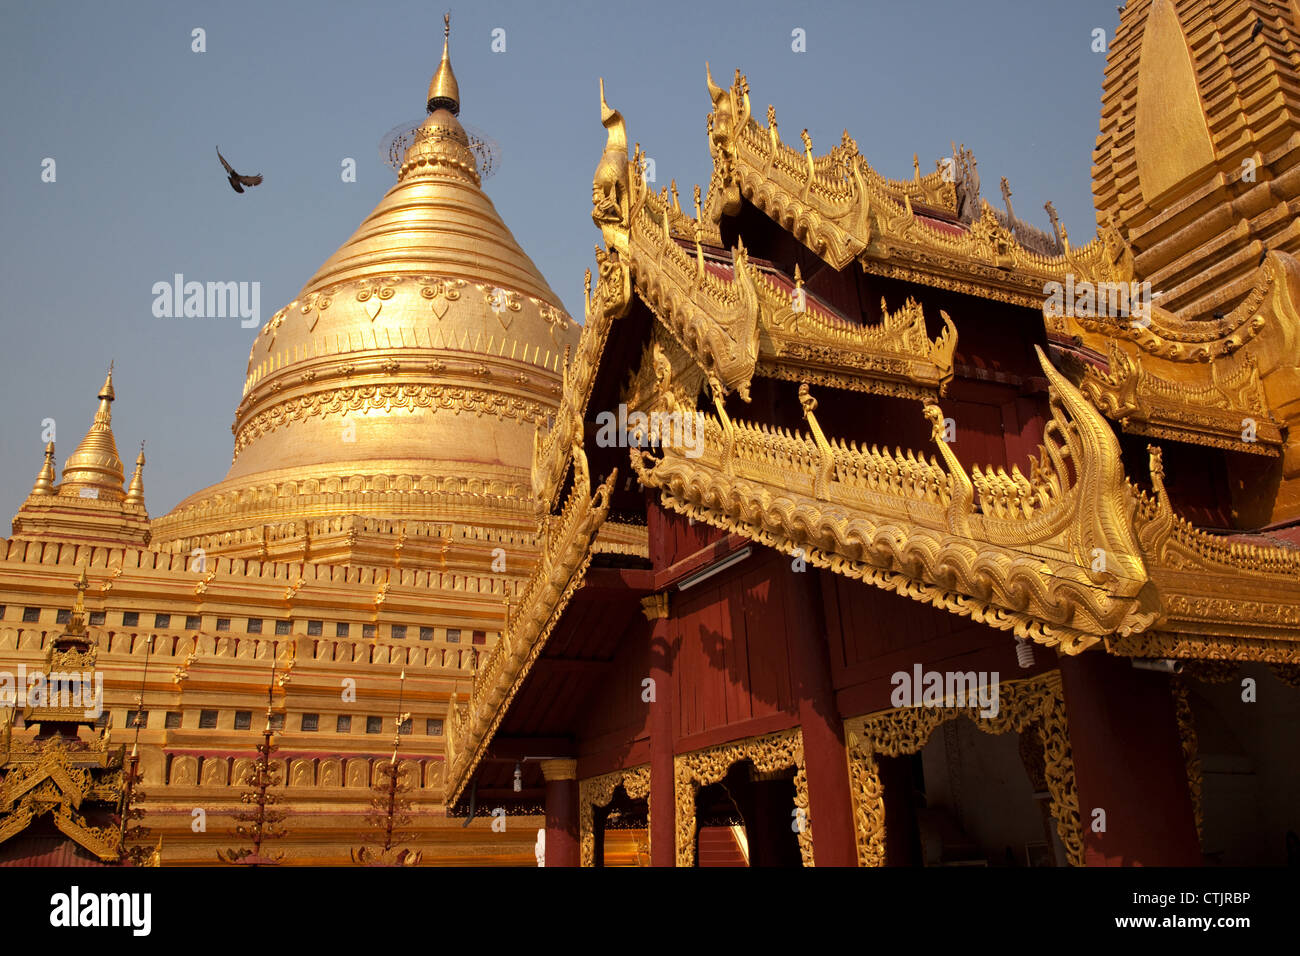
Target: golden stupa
point(407, 378)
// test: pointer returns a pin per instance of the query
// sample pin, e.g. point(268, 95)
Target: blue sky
point(114, 94)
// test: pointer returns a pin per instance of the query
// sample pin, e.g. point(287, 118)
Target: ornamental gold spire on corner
point(444, 93)
point(45, 480)
point(135, 493)
point(94, 470)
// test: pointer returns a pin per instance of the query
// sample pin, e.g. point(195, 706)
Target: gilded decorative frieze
point(365, 399)
point(769, 753)
point(1232, 644)
point(598, 792)
point(1037, 704)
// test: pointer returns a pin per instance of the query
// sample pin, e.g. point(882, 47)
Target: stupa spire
point(444, 93)
point(94, 470)
point(45, 480)
point(135, 493)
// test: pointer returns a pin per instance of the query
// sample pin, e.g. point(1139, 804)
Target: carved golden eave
point(1223, 598)
point(1017, 552)
point(842, 210)
point(1219, 408)
point(1068, 555)
point(566, 555)
point(1232, 382)
point(553, 449)
point(711, 310)
point(739, 318)
point(617, 537)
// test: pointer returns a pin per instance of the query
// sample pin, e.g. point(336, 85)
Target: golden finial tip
point(444, 93)
point(107, 393)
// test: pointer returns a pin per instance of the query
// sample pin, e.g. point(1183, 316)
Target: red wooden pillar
point(830, 807)
point(1128, 761)
point(663, 793)
point(561, 812)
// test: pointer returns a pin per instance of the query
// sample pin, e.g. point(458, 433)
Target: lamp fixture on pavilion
point(1024, 652)
point(519, 778)
point(718, 568)
point(1163, 665)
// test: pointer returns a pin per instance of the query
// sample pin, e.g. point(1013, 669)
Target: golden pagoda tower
point(1196, 160)
point(403, 384)
point(1196, 177)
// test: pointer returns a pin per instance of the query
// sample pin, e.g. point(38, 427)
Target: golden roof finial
point(135, 493)
point(45, 480)
point(106, 393)
point(444, 94)
point(77, 619)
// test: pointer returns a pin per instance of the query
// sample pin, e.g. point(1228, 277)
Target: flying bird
point(237, 182)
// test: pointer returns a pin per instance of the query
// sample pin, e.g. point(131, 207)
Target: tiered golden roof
point(407, 377)
point(74, 782)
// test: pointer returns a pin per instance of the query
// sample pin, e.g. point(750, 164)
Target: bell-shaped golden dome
point(94, 469)
point(408, 377)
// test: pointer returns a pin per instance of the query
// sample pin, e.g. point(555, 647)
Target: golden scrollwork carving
point(1231, 646)
point(1191, 755)
point(598, 792)
point(1037, 703)
point(768, 753)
